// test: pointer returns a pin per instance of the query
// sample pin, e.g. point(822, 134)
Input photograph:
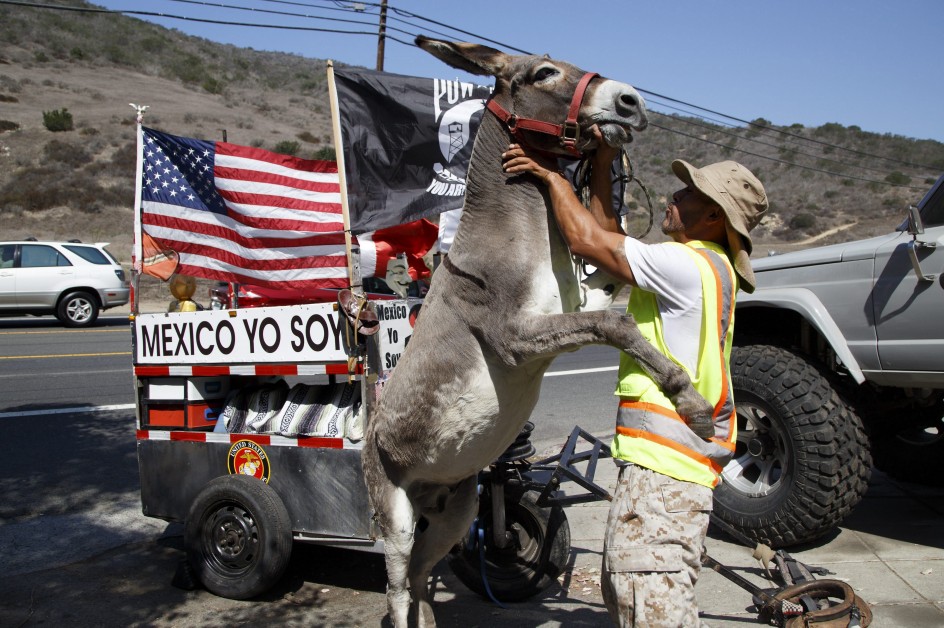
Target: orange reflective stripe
point(671, 444)
point(727, 444)
point(651, 407)
point(719, 301)
point(725, 393)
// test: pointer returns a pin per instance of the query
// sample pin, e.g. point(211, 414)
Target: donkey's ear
point(473, 58)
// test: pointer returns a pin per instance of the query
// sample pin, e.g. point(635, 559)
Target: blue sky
point(855, 62)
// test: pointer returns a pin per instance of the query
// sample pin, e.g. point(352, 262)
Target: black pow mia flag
point(407, 142)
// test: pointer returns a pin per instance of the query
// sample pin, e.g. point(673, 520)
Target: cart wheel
point(238, 537)
point(537, 555)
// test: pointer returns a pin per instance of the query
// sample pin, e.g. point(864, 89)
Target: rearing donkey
point(501, 307)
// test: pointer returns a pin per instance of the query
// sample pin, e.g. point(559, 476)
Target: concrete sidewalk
point(890, 550)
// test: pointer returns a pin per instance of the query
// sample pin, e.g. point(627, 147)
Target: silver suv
point(838, 361)
point(71, 280)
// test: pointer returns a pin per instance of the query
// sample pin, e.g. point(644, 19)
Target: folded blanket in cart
point(315, 411)
point(249, 408)
point(304, 410)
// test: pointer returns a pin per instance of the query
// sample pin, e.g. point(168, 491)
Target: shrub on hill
point(58, 120)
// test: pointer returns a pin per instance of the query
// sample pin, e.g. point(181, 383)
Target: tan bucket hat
point(743, 199)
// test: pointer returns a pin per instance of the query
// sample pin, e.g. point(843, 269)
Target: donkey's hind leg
point(397, 521)
point(449, 515)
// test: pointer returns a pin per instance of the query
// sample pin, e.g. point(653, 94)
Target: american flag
point(242, 214)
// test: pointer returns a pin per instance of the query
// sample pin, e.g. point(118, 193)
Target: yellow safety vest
point(649, 431)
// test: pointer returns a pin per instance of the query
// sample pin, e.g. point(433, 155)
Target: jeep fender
point(805, 303)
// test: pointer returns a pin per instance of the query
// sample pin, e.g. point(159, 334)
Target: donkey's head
point(549, 104)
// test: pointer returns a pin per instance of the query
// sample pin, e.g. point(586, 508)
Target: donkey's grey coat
point(497, 314)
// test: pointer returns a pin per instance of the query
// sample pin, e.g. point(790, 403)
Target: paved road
point(43, 365)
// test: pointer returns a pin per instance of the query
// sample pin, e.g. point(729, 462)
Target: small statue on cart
point(183, 287)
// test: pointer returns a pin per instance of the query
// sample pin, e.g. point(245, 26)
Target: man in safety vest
point(683, 301)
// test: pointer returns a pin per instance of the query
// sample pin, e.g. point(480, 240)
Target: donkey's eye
point(544, 73)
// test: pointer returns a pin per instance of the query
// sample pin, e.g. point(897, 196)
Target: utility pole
point(381, 35)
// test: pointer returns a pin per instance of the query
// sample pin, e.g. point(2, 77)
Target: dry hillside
point(825, 184)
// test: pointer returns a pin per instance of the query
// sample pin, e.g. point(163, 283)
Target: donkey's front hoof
point(697, 414)
point(702, 426)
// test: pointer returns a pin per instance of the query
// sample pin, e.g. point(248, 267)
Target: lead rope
point(626, 173)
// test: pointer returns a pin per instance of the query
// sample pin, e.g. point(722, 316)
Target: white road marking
point(32, 375)
point(80, 409)
point(601, 369)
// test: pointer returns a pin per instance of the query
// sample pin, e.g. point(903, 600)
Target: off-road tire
point(238, 537)
point(78, 309)
point(540, 555)
point(811, 462)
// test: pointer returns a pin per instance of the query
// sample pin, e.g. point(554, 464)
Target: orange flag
point(158, 261)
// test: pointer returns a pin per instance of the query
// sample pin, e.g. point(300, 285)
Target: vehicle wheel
point(536, 557)
point(913, 452)
point(802, 459)
point(77, 309)
point(238, 537)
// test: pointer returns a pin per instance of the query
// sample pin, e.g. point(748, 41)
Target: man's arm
point(601, 188)
point(592, 235)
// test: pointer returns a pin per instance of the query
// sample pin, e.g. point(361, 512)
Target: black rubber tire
point(78, 309)
point(538, 557)
point(238, 537)
point(913, 452)
point(802, 461)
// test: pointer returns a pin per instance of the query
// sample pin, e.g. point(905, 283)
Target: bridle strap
point(568, 133)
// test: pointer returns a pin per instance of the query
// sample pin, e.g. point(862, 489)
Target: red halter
point(568, 133)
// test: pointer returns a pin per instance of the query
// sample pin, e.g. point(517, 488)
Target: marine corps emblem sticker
point(248, 458)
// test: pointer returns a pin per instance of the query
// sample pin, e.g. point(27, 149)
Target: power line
point(196, 19)
point(807, 139)
point(286, 13)
point(402, 21)
point(781, 161)
point(416, 16)
point(747, 122)
point(762, 143)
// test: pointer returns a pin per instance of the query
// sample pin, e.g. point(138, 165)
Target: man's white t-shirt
point(670, 272)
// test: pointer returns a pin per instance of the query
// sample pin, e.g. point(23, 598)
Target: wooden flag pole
point(137, 254)
point(353, 267)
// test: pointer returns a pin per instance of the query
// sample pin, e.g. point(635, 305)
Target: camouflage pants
point(652, 550)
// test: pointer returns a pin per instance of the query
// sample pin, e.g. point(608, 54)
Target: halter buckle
point(512, 123)
point(570, 133)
